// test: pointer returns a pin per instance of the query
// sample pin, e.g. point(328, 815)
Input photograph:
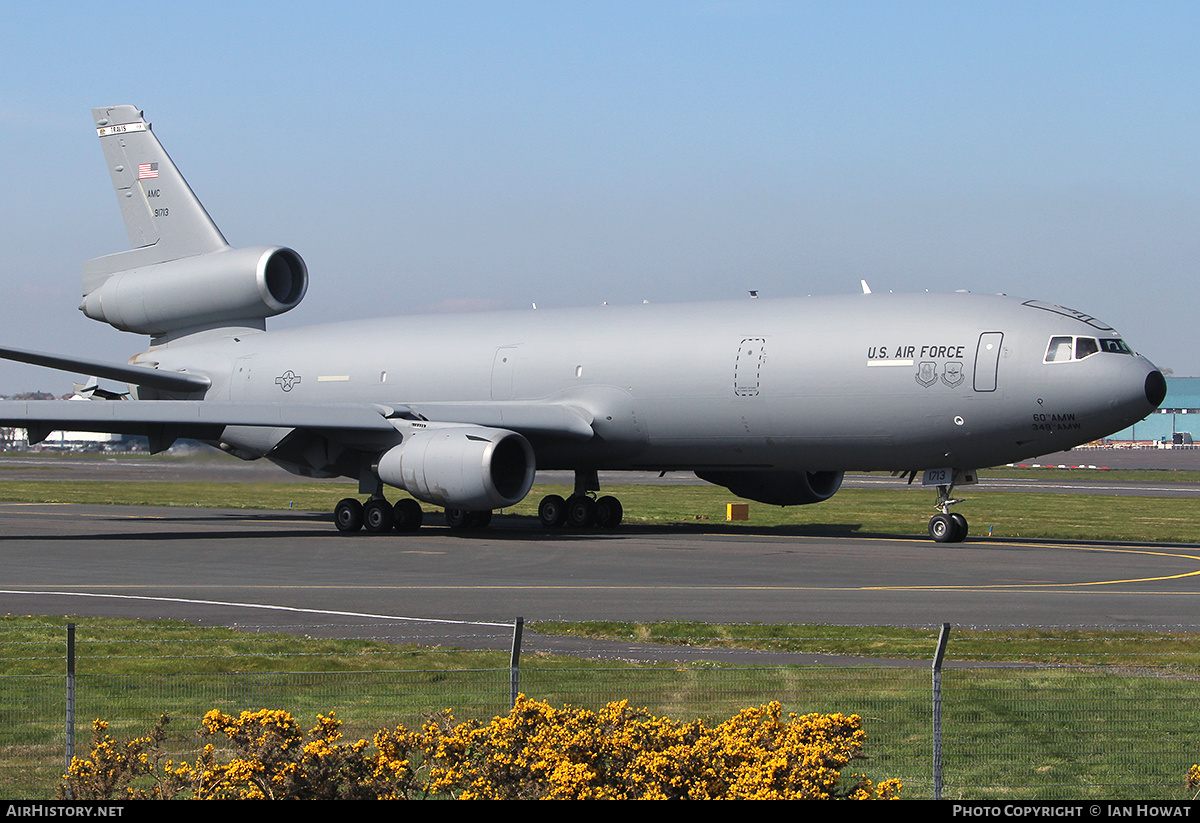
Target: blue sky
point(437, 156)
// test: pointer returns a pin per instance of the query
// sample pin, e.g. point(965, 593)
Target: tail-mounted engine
point(462, 467)
point(225, 287)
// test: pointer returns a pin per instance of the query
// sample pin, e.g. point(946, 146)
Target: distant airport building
point(1176, 423)
point(18, 439)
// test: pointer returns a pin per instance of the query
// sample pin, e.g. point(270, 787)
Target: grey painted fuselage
point(870, 381)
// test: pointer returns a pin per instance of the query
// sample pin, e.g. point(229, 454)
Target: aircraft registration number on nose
point(937, 477)
point(946, 476)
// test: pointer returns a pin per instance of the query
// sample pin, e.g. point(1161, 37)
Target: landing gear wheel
point(581, 512)
point(457, 518)
point(947, 526)
point(942, 528)
point(479, 520)
point(960, 525)
point(609, 512)
point(377, 516)
point(407, 514)
point(348, 515)
point(552, 511)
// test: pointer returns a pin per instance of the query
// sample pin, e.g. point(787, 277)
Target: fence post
point(70, 730)
point(514, 663)
point(937, 710)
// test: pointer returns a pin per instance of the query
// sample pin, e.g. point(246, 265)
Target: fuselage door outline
point(747, 370)
point(987, 360)
point(503, 366)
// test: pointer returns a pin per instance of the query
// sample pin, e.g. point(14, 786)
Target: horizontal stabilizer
point(137, 375)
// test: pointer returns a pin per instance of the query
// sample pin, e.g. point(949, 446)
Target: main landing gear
point(582, 509)
point(377, 515)
point(947, 526)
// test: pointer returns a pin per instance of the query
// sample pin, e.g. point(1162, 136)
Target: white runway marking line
point(264, 606)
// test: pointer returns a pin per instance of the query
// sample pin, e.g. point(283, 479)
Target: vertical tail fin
point(181, 276)
point(164, 218)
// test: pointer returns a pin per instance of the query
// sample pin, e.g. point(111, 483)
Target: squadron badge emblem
point(953, 375)
point(927, 373)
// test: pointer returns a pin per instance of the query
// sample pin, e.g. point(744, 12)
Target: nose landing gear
point(947, 526)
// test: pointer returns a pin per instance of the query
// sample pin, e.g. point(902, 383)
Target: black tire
point(552, 511)
point(348, 515)
point(457, 518)
point(378, 517)
point(581, 512)
point(479, 519)
point(407, 514)
point(942, 528)
point(960, 527)
point(609, 512)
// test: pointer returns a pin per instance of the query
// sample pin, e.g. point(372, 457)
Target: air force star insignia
point(287, 380)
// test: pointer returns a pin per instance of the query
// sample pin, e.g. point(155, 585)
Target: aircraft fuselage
point(858, 382)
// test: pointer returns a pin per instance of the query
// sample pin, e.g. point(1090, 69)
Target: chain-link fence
point(1013, 733)
point(1008, 731)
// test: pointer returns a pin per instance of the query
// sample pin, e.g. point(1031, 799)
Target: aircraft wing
point(545, 418)
point(205, 420)
point(185, 418)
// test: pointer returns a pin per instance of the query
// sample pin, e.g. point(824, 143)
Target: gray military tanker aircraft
point(772, 399)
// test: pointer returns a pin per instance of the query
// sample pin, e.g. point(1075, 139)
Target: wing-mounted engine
point(461, 467)
point(777, 488)
point(226, 287)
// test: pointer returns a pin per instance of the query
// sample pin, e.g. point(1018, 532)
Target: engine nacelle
point(227, 286)
point(461, 467)
point(778, 488)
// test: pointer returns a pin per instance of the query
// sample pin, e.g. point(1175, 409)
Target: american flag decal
point(147, 171)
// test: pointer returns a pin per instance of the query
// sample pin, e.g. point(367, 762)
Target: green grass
point(1039, 646)
point(35, 645)
point(302, 496)
point(902, 511)
point(1064, 732)
point(1117, 475)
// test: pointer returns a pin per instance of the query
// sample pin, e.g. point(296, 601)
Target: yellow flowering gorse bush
point(536, 751)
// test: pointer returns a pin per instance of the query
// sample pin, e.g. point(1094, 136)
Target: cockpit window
point(1085, 346)
point(1060, 350)
point(1065, 349)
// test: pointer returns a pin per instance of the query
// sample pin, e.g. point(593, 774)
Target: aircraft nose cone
point(1156, 388)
